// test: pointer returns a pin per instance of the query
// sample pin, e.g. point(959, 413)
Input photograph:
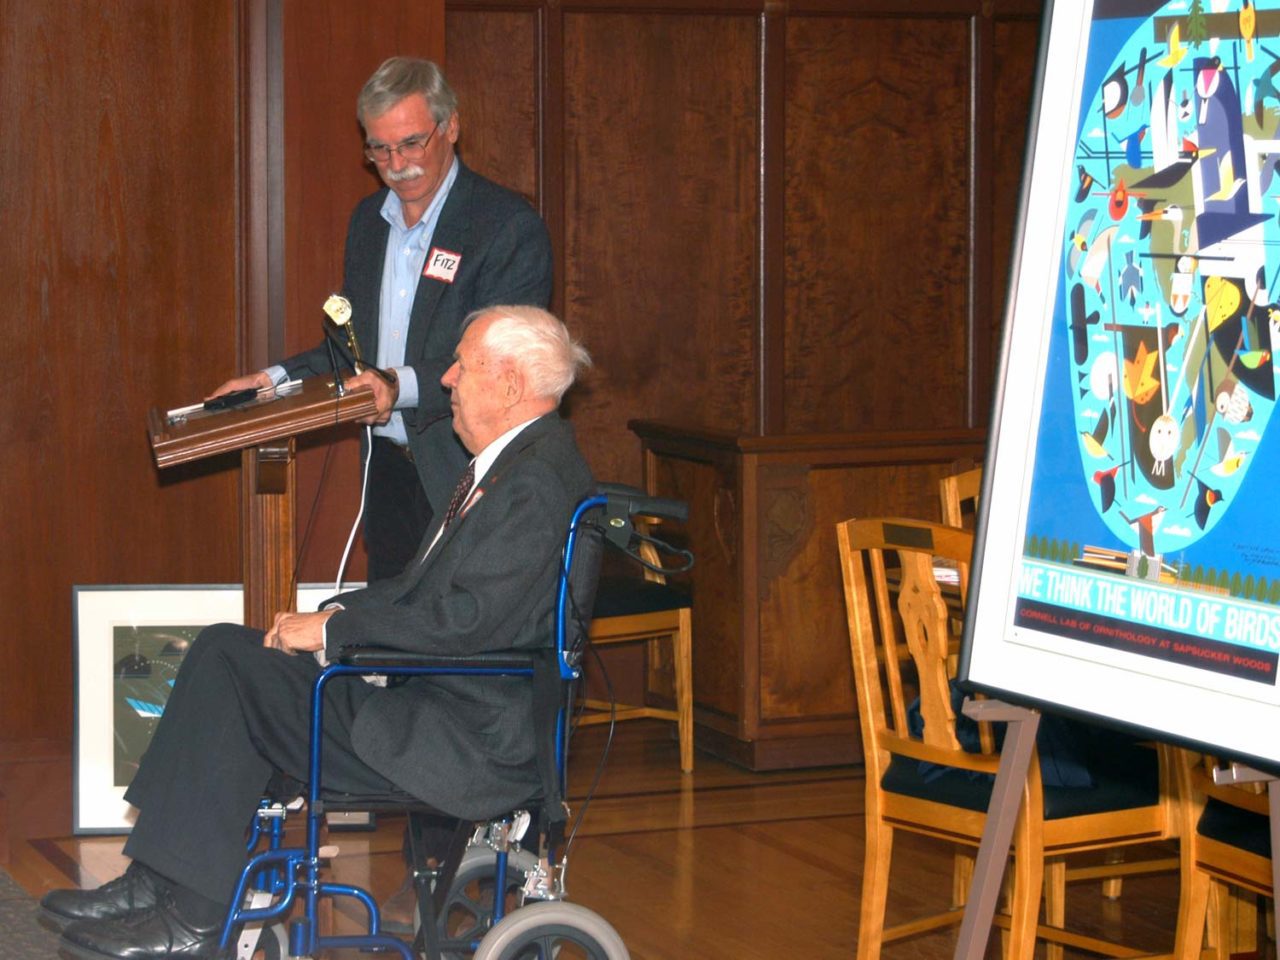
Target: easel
point(1002, 817)
point(1006, 800)
point(264, 430)
point(1239, 773)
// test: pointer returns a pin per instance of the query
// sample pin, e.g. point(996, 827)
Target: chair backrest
point(901, 633)
point(958, 494)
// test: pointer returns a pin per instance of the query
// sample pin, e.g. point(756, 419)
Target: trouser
point(237, 713)
point(396, 513)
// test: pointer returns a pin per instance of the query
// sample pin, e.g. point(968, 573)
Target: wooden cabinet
point(773, 685)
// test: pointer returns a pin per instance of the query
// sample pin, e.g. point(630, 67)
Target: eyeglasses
point(412, 150)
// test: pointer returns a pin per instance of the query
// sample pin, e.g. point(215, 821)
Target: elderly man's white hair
point(538, 343)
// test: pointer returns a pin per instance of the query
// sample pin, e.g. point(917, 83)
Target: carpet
point(21, 935)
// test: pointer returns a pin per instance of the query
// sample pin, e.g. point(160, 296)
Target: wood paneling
point(118, 186)
point(772, 681)
point(497, 96)
point(660, 222)
point(1015, 47)
point(877, 210)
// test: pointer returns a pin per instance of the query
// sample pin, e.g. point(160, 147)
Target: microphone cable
point(355, 524)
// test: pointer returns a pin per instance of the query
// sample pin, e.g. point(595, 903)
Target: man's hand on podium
point(256, 381)
point(384, 394)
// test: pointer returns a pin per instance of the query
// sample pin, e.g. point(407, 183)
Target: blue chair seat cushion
point(1124, 777)
point(1239, 828)
point(628, 596)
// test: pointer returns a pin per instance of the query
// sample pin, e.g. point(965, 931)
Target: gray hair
point(400, 77)
point(538, 344)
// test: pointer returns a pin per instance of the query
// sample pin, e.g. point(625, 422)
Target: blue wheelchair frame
point(281, 871)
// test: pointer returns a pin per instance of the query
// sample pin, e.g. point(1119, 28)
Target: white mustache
point(408, 173)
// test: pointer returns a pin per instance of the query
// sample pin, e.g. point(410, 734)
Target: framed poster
point(128, 644)
point(1127, 564)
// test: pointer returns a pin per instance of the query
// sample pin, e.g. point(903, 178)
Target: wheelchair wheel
point(552, 930)
point(468, 909)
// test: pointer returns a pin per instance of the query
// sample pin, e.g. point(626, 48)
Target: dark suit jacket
point(505, 259)
point(466, 745)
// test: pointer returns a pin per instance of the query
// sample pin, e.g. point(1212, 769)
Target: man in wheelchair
point(483, 580)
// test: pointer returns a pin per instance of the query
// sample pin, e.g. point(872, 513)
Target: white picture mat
point(1172, 701)
point(98, 805)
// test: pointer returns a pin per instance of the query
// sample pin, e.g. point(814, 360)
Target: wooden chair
point(958, 494)
point(1126, 803)
point(631, 609)
point(1226, 848)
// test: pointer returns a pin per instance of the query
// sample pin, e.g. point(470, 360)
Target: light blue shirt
point(407, 249)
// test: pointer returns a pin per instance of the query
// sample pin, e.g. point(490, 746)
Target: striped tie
point(459, 497)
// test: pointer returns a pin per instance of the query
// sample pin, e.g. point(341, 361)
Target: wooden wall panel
point(329, 51)
point(877, 210)
point(119, 249)
point(660, 222)
point(497, 97)
point(1016, 42)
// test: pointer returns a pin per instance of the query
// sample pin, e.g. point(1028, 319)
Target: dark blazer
point(466, 745)
point(505, 259)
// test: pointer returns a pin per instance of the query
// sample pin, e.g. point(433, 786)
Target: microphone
point(338, 310)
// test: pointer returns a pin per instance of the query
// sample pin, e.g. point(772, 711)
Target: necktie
point(460, 492)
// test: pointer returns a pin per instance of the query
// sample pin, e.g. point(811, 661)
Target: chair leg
point(1112, 885)
point(1028, 878)
point(683, 657)
point(875, 889)
point(961, 878)
point(1055, 902)
point(1192, 910)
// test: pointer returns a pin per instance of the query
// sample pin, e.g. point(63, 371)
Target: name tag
point(441, 264)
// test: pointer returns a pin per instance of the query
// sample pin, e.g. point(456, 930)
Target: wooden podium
point(263, 430)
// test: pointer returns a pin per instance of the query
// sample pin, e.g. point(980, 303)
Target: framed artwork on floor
point(129, 642)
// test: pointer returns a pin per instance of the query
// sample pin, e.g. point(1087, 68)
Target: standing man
point(435, 244)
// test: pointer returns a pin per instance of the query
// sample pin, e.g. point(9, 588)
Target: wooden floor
point(722, 864)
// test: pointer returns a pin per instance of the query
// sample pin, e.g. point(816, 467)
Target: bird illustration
point(1095, 440)
point(1081, 321)
point(1232, 401)
point(1095, 260)
point(1086, 183)
point(1115, 93)
point(1248, 18)
point(1106, 481)
point(1118, 198)
point(1078, 242)
point(1139, 85)
point(1264, 87)
point(1130, 279)
point(1250, 357)
point(1228, 183)
point(1146, 527)
point(1208, 76)
point(1206, 497)
point(1176, 50)
point(1190, 154)
point(1229, 458)
point(1132, 143)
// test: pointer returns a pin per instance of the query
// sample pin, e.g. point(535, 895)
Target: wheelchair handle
point(639, 503)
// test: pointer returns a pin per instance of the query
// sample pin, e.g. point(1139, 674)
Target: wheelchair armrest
point(382, 657)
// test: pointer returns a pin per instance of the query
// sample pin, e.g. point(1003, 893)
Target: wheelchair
point(498, 893)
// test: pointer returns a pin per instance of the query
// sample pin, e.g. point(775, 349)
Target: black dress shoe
point(135, 889)
point(151, 935)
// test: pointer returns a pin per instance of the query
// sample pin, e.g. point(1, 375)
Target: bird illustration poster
point(1129, 563)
